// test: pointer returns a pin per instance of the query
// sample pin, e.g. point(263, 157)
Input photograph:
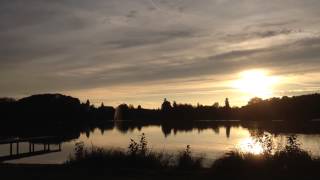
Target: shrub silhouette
point(290, 161)
point(138, 155)
point(140, 148)
point(185, 160)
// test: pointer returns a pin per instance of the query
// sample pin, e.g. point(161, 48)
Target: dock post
point(30, 147)
point(10, 149)
point(44, 147)
point(48, 147)
point(17, 148)
point(60, 147)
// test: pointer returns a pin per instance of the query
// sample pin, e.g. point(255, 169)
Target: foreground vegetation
point(138, 156)
point(276, 162)
point(140, 162)
point(287, 162)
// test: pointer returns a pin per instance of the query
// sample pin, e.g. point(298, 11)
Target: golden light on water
point(249, 145)
point(256, 83)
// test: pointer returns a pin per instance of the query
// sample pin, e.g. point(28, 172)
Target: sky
point(142, 51)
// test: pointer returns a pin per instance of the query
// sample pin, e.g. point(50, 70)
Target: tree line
point(52, 109)
point(296, 109)
point(58, 109)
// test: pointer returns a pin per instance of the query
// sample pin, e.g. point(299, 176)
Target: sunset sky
point(141, 51)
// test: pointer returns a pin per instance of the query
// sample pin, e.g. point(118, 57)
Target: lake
point(211, 140)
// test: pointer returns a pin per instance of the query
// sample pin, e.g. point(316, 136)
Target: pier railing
point(45, 141)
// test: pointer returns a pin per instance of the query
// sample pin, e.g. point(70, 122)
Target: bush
point(288, 161)
point(185, 160)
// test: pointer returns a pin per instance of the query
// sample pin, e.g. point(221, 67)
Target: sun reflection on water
point(249, 145)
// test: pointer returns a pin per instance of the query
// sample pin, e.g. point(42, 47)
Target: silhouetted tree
point(166, 105)
point(227, 104)
point(216, 105)
point(102, 105)
point(87, 103)
point(174, 104)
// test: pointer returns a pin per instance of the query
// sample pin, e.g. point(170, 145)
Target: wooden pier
point(44, 141)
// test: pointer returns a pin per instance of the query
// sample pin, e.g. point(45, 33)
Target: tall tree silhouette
point(166, 105)
point(227, 104)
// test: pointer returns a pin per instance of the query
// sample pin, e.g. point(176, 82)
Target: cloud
point(137, 38)
point(78, 45)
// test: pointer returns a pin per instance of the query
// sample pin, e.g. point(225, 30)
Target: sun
point(256, 83)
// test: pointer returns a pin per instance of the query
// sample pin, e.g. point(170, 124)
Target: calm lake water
point(210, 142)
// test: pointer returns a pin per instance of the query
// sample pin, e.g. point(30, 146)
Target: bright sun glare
point(249, 145)
point(256, 83)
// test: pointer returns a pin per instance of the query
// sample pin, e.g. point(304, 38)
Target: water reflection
point(211, 138)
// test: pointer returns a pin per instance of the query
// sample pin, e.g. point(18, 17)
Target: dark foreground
point(56, 172)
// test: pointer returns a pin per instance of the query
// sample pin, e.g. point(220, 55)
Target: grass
point(138, 156)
